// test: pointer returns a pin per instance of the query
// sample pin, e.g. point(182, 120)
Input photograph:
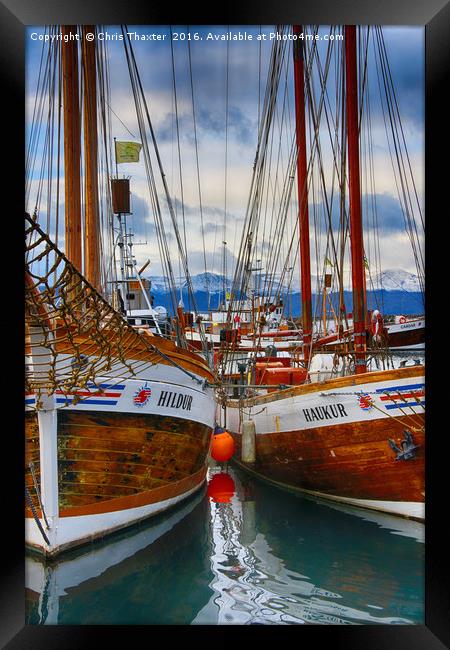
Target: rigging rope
point(178, 144)
point(207, 280)
point(72, 334)
point(142, 107)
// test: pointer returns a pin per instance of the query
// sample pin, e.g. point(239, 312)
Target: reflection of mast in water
point(252, 585)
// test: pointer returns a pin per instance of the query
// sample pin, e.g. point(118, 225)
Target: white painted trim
point(74, 531)
point(410, 509)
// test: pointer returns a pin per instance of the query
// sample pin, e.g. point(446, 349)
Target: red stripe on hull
point(402, 396)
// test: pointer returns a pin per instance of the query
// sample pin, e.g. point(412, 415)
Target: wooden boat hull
point(331, 439)
point(135, 450)
point(410, 334)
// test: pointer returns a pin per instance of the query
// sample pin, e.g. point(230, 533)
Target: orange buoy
point(221, 488)
point(222, 445)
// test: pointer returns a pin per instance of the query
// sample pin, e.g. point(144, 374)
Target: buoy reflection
point(221, 488)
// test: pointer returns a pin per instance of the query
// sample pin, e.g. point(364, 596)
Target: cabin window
point(132, 321)
point(130, 296)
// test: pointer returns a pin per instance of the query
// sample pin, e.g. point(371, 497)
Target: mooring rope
point(36, 487)
point(36, 518)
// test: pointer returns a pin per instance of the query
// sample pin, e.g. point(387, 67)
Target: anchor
point(407, 449)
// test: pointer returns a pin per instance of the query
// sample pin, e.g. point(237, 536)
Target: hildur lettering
point(175, 400)
point(329, 412)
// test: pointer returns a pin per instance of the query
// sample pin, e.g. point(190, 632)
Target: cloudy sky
point(229, 80)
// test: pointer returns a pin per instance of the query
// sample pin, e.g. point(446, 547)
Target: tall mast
point(91, 235)
point(302, 181)
point(356, 235)
point(72, 144)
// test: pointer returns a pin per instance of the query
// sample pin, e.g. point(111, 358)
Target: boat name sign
point(329, 412)
point(172, 399)
point(408, 326)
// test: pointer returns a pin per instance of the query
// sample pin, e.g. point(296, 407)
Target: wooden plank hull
point(118, 463)
point(332, 439)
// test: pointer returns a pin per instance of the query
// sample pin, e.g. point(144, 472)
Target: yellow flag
point(127, 151)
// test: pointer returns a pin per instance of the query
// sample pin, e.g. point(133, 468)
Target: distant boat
point(406, 333)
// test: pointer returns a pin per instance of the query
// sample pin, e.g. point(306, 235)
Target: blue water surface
point(255, 555)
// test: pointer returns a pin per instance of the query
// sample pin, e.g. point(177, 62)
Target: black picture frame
point(15, 16)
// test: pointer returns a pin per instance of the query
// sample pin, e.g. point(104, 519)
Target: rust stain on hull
point(115, 461)
point(347, 460)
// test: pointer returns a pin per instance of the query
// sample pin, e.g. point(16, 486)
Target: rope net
point(73, 335)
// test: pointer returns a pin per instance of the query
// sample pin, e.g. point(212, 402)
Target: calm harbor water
point(240, 552)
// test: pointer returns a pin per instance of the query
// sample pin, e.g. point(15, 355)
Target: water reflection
point(283, 559)
point(132, 578)
point(240, 552)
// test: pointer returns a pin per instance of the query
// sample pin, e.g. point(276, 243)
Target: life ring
point(377, 323)
point(402, 319)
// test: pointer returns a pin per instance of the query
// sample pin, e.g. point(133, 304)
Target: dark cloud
point(383, 211)
point(380, 211)
point(405, 50)
point(239, 127)
point(213, 217)
point(142, 221)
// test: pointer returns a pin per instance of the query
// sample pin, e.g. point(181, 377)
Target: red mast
point(356, 237)
point(302, 184)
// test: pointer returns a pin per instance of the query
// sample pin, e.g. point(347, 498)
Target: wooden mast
point(356, 236)
point(72, 144)
point(91, 240)
point(302, 184)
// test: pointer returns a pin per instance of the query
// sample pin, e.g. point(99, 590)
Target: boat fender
point(222, 445)
point(248, 447)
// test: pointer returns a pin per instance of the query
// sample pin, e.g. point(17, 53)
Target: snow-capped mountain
point(212, 282)
point(397, 280)
point(159, 283)
point(397, 291)
point(389, 280)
